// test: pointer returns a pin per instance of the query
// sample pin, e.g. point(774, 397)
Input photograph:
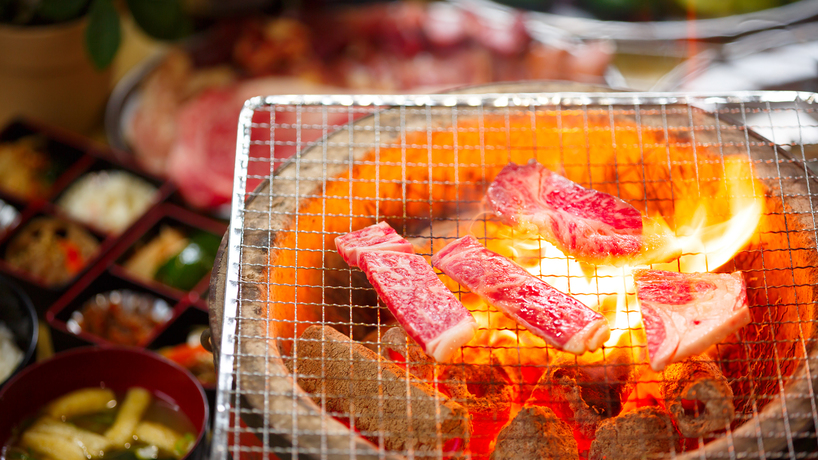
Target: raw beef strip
point(685, 313)
point(559, 319)
point(378, 237)
point(421, 303)
point(429, 313)
point(585, 223)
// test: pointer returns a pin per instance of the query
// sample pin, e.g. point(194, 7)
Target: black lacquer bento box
point(109, 254)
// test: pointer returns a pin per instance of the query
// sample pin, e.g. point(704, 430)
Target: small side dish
point(51, 249)
point(174, 258)
point(108, 200)
point(123, 317)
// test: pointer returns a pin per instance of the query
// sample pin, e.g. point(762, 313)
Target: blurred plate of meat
point(177, 113)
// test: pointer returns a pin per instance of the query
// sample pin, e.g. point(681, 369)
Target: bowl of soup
point(96, 402)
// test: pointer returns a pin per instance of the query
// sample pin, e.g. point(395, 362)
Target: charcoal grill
point(369, 158)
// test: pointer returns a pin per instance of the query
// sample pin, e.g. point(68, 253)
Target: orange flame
point(709, 231)
point(707, 228)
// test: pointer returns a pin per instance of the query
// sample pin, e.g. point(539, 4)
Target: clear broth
point(159, 411)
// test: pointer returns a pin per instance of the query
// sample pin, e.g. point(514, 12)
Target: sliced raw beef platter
point(428, 311)
point(684, 314)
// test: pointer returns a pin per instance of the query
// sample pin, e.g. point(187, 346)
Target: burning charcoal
point(535, 433)
point(643, 433)
point(354, 382)
point(487, 392)
point(522, 361)
point(686, 313)
point(698, 397)
point(580, 394)
point(643, 389)
point(616, 369)
point(483, 388)
point(561, 320)
point(396, 342)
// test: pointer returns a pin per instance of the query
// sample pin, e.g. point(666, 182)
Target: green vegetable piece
point(184, 270)
point(184, 444)
point(97, 422)
point(208, 241)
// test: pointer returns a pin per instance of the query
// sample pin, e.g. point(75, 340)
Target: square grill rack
point(423, 164)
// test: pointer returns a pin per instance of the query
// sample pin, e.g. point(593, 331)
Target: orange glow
point(709, 231)
point(703, 207)
point(645, 392)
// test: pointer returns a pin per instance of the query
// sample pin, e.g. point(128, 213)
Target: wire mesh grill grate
point(311, 168)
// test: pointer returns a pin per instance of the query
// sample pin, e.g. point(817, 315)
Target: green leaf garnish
point(103, 34)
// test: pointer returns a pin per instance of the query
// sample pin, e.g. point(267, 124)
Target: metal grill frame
point(227, 394)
